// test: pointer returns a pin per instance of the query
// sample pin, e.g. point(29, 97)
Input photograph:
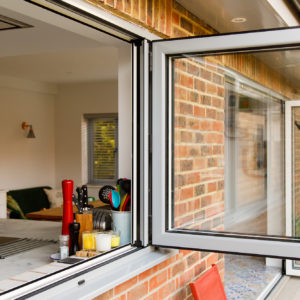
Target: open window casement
point(218, 179)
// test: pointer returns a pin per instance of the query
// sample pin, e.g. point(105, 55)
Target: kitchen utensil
point(126, 205)
point(80, 203)
point(85, 197)
point(122, 202)
point(104, 193)
point(67, 188)
point(75, 201)
point(115, 199)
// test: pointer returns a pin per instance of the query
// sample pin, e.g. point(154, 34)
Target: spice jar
point(88, 240)
point(63, 246)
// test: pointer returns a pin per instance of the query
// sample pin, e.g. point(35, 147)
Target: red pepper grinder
point(67, 188)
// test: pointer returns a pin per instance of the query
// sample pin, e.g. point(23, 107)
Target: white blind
point(103, 149)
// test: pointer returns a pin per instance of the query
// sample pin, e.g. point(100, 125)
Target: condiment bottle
point(63, 246)
point(74, 234)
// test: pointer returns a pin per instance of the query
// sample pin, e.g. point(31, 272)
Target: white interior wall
point(26, 162)
point(73, 101)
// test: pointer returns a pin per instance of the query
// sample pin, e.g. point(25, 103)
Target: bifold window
point(218, 123)
point(67, 91)
point(103, 148)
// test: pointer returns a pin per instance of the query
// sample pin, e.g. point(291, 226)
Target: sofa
point(29, 200)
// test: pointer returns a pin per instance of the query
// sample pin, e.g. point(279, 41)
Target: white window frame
point(290, 269)
point(85, 13)
point(162, 233)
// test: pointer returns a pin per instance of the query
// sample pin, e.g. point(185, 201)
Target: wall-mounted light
point(28, 127)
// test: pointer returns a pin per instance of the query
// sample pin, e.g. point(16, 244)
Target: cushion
point(55, 197)
point(14, 207)
point(31, 199)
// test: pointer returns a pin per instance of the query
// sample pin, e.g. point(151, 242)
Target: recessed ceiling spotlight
point(239, 20)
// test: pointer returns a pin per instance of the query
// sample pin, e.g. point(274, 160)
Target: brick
point(205, 150)
point(206, 100)
point(186, 109)
point(212, 259)
point(214, 138)
point(194, 70)
point(154, 296)
point(192, 259)
point(206, 200)
point(211, 89)
point(109, 3)
point(180, 93)
point(186, 136)
point(128, 6)
point(199, 190)
point(186, 25)
point(180, 122)
point(158, 280)
point(199, 163)
point(199, 138)
point(211, 113)
point(106, 296)
point(175, 18)
point(211, 187)
point(217, 79)
point(167, 289)
point(186, 193)
point(138, 292)
point(179, 295)
point(199, 85)
point(199, 111)
point(180, 209)
point(178, 268)
point(162, 14)
point(218, 126)
point(149, 12)
point(125, 286)
point(186, 81)
point(211, 162)
point(200, 268)
point(194, 97)
point(119, 5)
point(186, 165)
point(142, 10)
point(206, 125)
point(193, 124)
point(205, 74)
point(180, 64)
point(179, 180)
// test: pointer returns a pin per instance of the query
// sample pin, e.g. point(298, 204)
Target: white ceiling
point(77, 65)
point(218, 14)
point(52, 54)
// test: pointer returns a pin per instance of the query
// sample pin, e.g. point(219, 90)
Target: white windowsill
point(104, 278)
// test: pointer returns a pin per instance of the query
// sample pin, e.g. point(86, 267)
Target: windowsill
point(96, 282)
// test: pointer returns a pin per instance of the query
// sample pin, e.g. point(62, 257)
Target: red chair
point(209, 286)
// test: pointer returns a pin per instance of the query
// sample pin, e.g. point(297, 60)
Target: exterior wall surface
point(199, 142)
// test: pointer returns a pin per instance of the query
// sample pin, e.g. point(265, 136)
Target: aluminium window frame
point(88, 15)
point(162, 233)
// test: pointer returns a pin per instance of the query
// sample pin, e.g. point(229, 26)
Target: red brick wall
point(199, 143)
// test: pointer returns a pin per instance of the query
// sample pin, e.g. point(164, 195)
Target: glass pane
point(296, 174)
point(228, 140)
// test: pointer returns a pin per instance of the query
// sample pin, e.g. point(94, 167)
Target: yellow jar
point(115, 239)
point(88, 240)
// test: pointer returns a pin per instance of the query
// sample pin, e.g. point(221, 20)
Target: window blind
point(103, 149)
